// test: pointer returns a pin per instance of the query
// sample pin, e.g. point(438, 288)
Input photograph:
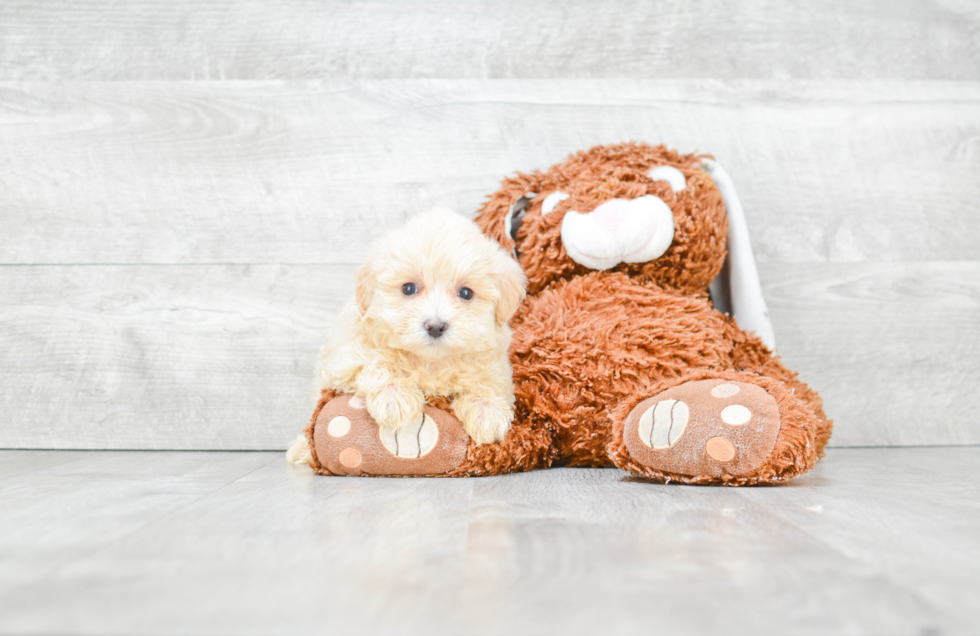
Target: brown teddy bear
point(619, 357)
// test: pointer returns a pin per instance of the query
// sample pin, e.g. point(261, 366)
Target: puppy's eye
point(409, 289)
point(465, 293)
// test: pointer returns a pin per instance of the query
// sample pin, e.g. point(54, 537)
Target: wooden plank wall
point(186, 188)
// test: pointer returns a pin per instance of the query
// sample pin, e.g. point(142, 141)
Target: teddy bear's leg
point(345, 440)
point(749, 354)
point(716, 427)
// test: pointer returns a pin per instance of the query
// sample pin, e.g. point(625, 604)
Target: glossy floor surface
point(874, 541)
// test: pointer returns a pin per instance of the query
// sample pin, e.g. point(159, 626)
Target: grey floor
point(874, 541)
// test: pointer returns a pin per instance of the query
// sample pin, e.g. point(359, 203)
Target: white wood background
point(186, 188)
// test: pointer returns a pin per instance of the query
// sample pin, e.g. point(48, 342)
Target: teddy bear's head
point(646, 211)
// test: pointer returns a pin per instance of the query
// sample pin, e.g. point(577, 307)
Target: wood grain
point(185, 357)
point(759, 39)
point(185, 188)
point(260, 172)
point(875, 541)
point(221, 356)
point(893, 348)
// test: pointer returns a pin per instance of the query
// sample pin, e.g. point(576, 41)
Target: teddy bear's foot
point(347, 441)
point(709, 428)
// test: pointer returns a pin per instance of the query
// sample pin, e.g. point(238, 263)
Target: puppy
point(429, 318)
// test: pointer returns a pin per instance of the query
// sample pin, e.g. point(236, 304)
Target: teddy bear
point(619, 355)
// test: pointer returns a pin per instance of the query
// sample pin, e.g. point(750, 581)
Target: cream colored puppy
point(429, 318)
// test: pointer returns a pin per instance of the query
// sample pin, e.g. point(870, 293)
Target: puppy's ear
point(511, 283)
point(364, 287)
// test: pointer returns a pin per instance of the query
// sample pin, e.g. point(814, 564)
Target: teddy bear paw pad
point(704, 427)
point(348, 441)
point(411, 442)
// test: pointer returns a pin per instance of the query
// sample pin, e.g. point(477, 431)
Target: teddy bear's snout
point(619, 231)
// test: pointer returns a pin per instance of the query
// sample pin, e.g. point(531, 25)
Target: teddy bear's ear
point(511, 285)
point(736, 290)
point(364, 286)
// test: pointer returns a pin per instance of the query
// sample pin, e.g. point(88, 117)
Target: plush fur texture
point(593, 177)
point(383, 351)
point(589, 346)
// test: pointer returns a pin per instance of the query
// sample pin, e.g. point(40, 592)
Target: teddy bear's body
point(584, 346)
point(619, 357)
point(586, 349)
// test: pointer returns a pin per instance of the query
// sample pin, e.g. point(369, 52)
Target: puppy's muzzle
point(435, 328)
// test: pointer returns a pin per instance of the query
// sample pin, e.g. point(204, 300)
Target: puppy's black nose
point(435, 327)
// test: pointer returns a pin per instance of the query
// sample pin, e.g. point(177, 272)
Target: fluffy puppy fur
point(429, 318)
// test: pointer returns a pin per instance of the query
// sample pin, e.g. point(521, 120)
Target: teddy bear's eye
point(674, 177)
point(465, 293)
point(551, 201)
point(409, 289)
point(512, 222)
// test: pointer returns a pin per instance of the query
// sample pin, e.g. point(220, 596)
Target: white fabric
point(670, 174)
point(735, 414)
point(551, 202)
point(411, 442)
point(662, 424)
point(736, 290)
point(619, 231)
point(725, 390)
point(338, 426)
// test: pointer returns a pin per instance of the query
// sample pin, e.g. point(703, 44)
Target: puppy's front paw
point(394, 407)
point(485, 419)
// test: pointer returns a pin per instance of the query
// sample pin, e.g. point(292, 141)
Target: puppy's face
point(438, 287)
